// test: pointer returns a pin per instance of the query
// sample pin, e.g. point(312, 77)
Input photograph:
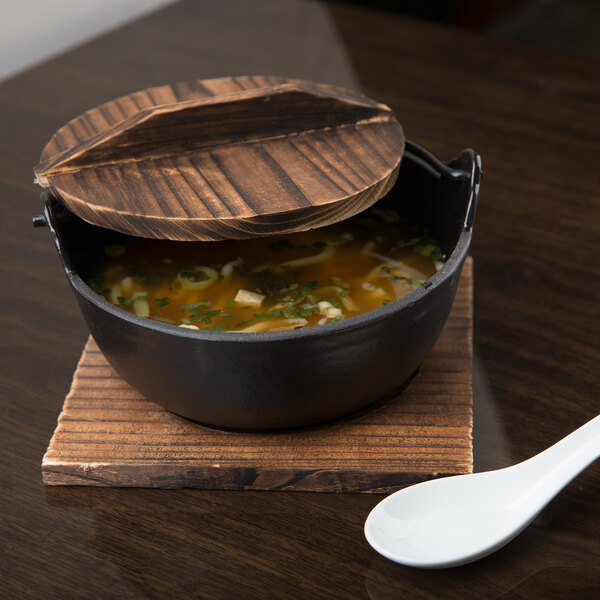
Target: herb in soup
point(270, 284)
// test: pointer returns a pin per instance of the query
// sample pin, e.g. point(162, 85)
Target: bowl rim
point(367, 319)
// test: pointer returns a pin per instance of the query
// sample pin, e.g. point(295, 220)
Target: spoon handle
point(555, 467)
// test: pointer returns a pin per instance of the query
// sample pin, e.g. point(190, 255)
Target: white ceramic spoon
point(455, 520)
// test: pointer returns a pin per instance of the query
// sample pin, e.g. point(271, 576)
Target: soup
point(270, 284)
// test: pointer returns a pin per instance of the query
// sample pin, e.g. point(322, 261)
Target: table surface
point(535, 118)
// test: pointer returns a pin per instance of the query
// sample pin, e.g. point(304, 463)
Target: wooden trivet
point(109, 435)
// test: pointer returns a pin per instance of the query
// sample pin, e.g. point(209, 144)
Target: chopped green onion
point(203, 304)
point(205, 315)
point(246, 322)
point(309, 306)
point(340, 282)
point(96, 281)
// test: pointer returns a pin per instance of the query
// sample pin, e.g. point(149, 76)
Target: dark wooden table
point(535, 118)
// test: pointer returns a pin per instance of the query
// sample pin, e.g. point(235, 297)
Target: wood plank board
point(109, 435)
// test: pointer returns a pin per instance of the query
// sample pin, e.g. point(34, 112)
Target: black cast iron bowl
point(285, 379)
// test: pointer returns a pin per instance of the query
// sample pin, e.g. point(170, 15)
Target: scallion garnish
point(196, 305)
point(204, 315)
point(96, 281)
point(309, 306)
point(340, 282)
point(246, 322)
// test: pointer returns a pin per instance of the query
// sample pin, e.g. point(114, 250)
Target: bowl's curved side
point(276, 383)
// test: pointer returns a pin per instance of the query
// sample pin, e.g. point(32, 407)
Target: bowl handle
point(469, 162)
point(464, 169)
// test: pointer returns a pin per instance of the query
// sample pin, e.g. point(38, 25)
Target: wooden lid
point(228, 158)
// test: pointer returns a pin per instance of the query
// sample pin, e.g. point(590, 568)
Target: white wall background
point(32, 31)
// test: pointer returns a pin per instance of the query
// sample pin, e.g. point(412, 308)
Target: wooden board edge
point(170, 476)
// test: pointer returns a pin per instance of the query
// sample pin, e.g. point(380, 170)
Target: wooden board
point(227, 158)
point(108, 435)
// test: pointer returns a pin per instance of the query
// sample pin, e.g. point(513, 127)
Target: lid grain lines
point(233, 157)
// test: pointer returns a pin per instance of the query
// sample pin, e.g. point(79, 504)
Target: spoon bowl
point(455, 520)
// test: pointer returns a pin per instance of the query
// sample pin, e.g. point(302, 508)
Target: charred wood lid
point(228, 158)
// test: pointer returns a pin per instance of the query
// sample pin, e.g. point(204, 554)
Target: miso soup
point(270, 284)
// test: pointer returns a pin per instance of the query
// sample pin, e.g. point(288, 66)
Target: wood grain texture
point(226, 158)
point(109, 435)
point(535, 117)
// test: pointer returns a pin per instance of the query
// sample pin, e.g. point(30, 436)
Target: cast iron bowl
point(287, 378)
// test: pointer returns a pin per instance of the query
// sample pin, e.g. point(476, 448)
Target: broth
point(270, 284)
